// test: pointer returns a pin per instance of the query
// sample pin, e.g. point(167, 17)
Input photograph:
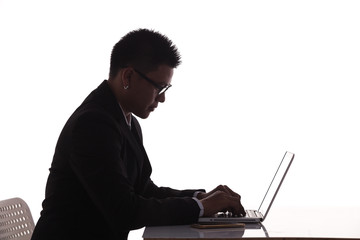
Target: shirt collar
point(127, 122)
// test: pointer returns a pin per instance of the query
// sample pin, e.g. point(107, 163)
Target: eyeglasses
point(162, 89)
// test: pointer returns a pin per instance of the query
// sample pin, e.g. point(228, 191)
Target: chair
point(16, 221)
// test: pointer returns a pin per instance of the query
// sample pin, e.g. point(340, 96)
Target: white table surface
point(284, 222)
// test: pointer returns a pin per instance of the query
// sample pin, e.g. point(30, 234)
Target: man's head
point(141, 70)
point(144, 50)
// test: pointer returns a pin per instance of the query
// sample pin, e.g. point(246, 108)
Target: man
point(99, 185)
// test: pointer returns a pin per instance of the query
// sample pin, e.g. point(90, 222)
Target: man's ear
point(126, 76)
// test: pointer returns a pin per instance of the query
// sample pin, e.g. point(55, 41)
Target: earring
point(126, 87)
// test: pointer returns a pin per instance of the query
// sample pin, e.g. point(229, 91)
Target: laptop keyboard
point(251, 213)
point(224, 215)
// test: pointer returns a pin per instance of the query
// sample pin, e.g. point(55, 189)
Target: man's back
point(69, 211)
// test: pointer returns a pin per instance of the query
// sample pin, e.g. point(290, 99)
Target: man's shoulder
point(93, 113)
point(99, 102)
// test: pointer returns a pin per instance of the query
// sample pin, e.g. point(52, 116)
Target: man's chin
point(143, 115)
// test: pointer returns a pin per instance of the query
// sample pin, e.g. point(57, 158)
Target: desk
point(281, 223)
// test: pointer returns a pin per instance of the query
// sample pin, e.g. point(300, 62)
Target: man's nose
point(161, 98)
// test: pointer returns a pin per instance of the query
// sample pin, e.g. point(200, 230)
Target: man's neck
point(127, 114)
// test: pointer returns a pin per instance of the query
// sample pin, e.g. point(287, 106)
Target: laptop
point(256, 216)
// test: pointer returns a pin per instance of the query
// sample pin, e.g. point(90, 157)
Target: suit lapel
point(134, 137)
point(104, 95)
point(131, 137)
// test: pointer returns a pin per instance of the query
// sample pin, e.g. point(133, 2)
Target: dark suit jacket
point(99, 185)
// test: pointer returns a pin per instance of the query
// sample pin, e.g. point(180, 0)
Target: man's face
point(145, 97)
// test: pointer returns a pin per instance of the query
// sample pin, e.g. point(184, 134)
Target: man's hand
point(221, 199)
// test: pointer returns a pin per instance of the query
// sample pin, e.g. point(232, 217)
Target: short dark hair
point(145, 50)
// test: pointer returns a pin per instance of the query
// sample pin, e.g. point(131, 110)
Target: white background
point(258, 78)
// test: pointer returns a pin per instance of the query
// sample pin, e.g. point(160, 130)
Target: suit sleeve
point(96, 162)
point(152, 190)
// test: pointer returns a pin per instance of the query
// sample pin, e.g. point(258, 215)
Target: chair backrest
point(16, 221)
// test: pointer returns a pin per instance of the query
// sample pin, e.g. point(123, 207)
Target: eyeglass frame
point(162, 89)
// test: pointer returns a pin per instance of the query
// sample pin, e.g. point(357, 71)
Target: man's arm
point(152, 190)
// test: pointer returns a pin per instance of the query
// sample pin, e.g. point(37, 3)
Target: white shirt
point(127, 122)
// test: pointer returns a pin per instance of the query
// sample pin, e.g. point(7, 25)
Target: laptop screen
point(276, 183)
